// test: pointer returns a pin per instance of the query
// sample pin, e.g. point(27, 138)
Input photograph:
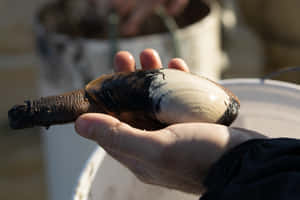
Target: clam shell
point(164, 96)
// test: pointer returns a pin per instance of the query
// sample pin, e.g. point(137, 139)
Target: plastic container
point(270, 107)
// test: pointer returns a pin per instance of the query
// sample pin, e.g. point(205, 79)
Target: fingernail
point(83, 127)
point(124, 61)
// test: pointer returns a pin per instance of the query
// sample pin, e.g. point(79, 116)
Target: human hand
point(137, 11)
point(178, 156)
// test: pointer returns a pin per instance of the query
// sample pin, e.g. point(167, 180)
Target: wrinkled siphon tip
point(18, 117)
point(51, 110)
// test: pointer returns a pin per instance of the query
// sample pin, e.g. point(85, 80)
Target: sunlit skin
point(178, 156)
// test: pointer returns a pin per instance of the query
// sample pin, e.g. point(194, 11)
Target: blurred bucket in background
point(277, 24)
point(269, 107)
point(70, 62)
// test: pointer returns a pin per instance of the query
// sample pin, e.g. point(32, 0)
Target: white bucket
point(270, 107)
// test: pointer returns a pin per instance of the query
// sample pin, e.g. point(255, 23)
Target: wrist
point(240, 135)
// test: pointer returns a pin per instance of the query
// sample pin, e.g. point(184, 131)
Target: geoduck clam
point(149, 99)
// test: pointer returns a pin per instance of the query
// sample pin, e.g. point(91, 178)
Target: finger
point(111, 134)
point(124, 62)
point(176, 6)
point(150, 59)
point(178, 63)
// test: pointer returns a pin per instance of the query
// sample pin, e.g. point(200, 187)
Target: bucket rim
point(259, 82)
point(87, 174)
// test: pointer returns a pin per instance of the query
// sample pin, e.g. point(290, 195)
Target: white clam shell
point(183, 97)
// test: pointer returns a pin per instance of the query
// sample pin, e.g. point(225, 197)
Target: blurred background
point(234, 39)
point(22, 166)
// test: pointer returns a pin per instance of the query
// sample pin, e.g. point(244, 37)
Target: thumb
point(113, 135)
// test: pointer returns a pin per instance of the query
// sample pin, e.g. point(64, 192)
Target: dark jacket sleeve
point(257, 170)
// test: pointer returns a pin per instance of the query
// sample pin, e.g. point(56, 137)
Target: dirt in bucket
point(61, 17)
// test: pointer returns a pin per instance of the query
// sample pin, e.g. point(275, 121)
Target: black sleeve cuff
point(258, 169)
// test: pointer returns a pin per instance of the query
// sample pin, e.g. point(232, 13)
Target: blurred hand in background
point(136, 11)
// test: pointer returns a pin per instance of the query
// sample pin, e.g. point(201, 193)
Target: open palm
point(178, 156)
